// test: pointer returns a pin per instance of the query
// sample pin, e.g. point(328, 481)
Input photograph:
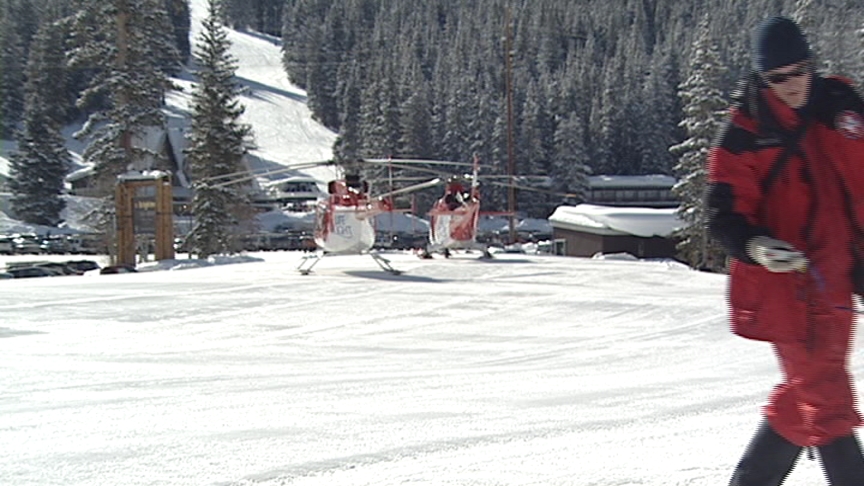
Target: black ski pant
point(769, 458)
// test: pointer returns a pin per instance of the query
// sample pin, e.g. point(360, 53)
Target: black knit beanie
point(778, 41)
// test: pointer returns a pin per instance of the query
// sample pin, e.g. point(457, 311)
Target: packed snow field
point(522, 370)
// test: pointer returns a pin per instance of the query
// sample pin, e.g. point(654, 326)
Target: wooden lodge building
point(622, 214)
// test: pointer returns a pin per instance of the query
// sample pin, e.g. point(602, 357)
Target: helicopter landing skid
point(385, 264)
point(305, 266)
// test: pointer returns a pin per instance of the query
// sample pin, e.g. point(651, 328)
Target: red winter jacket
point(812, 203)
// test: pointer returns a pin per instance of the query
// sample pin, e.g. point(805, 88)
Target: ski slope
point(523, 370)
point(285, 135)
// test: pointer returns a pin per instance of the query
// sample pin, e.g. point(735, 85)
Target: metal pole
point(511, 163)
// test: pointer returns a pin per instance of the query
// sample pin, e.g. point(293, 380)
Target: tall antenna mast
point(511, 163)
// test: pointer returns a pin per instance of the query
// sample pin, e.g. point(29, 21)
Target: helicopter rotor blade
point(417, 161)
point(416, 187)
point(239, 177)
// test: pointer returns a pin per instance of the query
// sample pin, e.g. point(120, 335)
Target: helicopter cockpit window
point(353, 181)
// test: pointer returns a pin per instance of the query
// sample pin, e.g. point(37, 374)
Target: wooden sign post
point(144, 209)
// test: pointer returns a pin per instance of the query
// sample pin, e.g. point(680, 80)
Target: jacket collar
point(788, 118)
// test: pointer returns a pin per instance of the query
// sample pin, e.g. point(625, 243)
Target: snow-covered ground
point(523, 370)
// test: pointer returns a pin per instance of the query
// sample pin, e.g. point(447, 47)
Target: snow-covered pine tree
point(657, 119)
point(42, 161)
point(180, 18)
point(379, 113)
point(346, 148)
point(11, 75)
point(330, 48)
point(536, 142)
point(860, 33)
point(610, 121)
point(414, 115)
point(570, 171)
point(217, 144)
point(131, 51)
point(704, 110)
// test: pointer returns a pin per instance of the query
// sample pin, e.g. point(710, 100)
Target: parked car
point(87, 244)
point(6, 246)
point(5, 275)
point(57, 245)
point(117, 269)
point(83, 265)
point(59, 268)
point(26, 245)
point(29, 272)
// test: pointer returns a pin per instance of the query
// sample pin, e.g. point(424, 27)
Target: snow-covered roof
point(608, 181)
point(144, 175)
point(150, 138)
point(605, 220)
point(81, 173)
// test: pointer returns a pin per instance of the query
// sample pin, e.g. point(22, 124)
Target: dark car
point(30, 272)
point(59, 268)
point(117, 269)
point(82, 265)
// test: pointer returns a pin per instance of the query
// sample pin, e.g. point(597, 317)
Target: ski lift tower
point(144, 212)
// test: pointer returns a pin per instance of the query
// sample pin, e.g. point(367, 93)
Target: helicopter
point(454, 217)
point(344, 220)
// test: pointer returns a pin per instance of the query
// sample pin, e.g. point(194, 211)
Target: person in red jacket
point(786, 200)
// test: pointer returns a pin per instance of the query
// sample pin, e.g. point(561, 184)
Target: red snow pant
point(816, 403)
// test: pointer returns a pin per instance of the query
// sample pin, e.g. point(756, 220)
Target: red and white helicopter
point(344, 220)
point(454, 217)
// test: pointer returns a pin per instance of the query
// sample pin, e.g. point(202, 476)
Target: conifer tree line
point(103, 61)
point(108, 63)
point(596, 85)
point(263, 16)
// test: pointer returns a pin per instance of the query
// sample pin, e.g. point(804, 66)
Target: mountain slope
point(284, 132)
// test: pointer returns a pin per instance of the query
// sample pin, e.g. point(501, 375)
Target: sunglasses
point(780, 78)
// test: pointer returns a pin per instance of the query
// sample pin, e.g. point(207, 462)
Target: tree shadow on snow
point(254, 90)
